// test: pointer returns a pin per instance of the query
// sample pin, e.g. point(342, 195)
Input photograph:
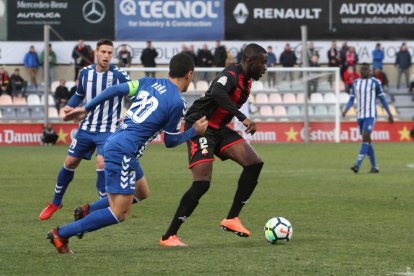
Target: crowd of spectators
point(344, 57)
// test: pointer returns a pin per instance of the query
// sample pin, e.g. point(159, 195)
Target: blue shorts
point(366, 124)
point(121, 172)
point(85, 143)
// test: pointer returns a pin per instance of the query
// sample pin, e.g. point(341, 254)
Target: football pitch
point(343, 223)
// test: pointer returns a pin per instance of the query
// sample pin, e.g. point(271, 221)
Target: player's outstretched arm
point(174, 139)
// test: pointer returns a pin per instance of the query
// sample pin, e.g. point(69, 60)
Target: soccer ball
point(278, 229)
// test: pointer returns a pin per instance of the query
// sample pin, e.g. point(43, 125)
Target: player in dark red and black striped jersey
point(227, 93)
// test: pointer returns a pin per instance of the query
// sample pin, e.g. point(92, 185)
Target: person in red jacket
point(349, 76)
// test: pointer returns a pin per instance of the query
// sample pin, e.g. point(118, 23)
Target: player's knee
point(366, 137)
point(72, 162)
point(121, 215)
point(141, 195)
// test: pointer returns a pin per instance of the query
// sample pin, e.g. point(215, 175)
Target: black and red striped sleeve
point(221, 91)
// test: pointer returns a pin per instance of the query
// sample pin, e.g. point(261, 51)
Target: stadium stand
point(316, 98)
point(261, 98)
point(6, 100)
point(8, 113)
point(279, 111)
point(289, 98)
point(19, 101)
point(53, 114)
point(294, 110)
point(275, 98)
point(33, 100)
point(37, 113)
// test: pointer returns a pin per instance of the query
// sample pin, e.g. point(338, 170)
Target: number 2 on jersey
point(140, 110)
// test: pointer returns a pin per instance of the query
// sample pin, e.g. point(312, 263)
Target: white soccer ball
point(278, 230)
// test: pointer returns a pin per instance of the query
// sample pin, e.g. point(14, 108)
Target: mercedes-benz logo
point(240, 13)
point(94, 11)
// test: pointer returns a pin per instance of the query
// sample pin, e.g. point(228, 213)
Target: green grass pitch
point(344, 223)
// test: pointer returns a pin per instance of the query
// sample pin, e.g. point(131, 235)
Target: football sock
point(94, 221)
point(362, 152)
point(188, 203)
point(100, 183)
point(246, 186)
point(65, 176)
point(104, 203)
point(371, 155)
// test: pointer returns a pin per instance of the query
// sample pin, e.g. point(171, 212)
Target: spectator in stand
point(61, 95)
point(377, 57)
point(204, 59)
point(32, 63)
point(4, 81)
point(72, 91)
point(52, 62)
point(230, 58)
point(18, 84)
point(148, 56)
point(49, 136)
point(287, 59)
point(403, 64)
point(351, 58)
point(220, 55)
point(412, 83)
point(271, 62)
point(349, 76)
point(312, 52)
point(4, 90)
point(382, 77)
point(342, 55)
point(124, 56)
point(334, 59)
point(313, 82)
point(189, 51)
point(81, 55)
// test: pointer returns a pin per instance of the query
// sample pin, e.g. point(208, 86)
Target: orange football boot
point(234, 225)
point(60, 243)
point(50, 209)
point(172, 241)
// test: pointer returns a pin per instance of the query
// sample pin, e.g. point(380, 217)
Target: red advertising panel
point(269, 132)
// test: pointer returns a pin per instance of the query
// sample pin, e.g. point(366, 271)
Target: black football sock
point(188, 203)
point(246, 186)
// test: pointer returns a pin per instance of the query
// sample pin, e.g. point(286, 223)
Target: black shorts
point(212, 142)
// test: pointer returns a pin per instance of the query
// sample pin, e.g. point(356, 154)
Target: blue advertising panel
point(168, 20)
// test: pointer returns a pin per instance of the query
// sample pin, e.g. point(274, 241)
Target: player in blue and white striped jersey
point(99, 124)
point(366, 90)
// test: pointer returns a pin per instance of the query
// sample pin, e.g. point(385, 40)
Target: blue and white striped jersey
point(366, 92)
point(91, 83)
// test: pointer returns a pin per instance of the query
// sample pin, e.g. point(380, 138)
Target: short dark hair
point(180, 65)
point(104, 41)
point(252, 51)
